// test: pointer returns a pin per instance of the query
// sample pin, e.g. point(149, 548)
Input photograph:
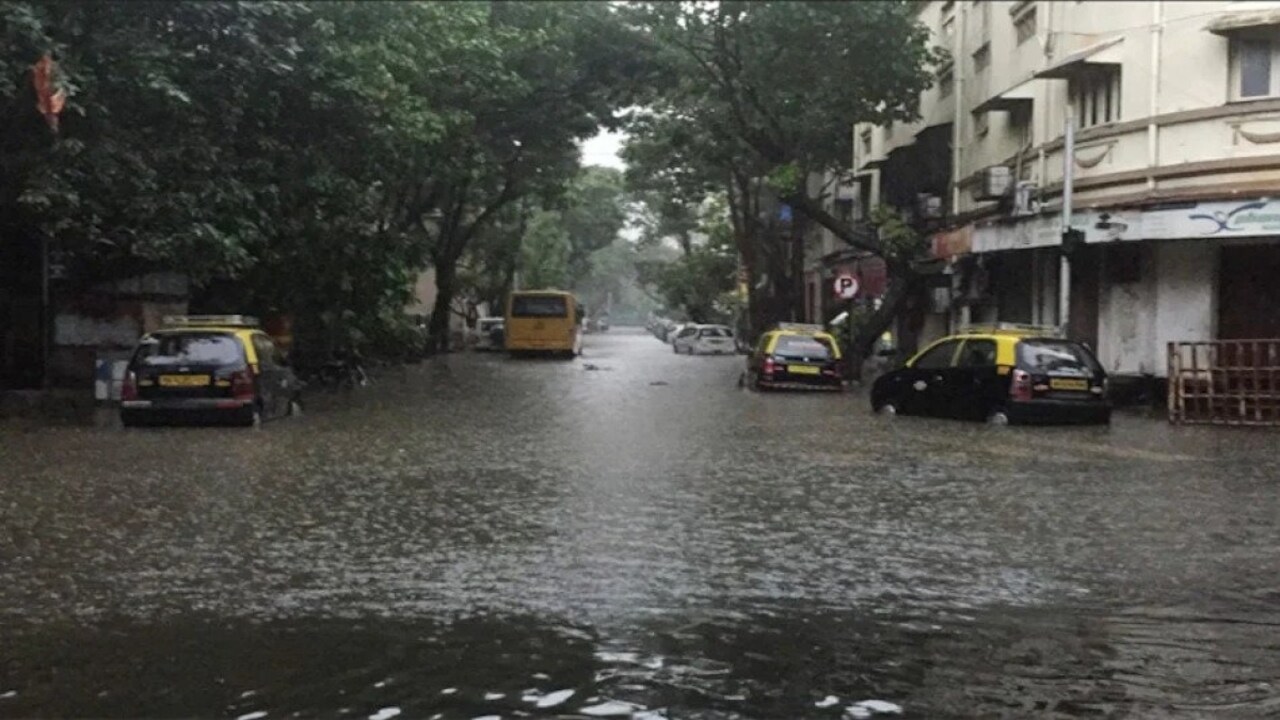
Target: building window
point(1096, 96)
point(866, 145)
point(946, 82)
point(1024, 25)
point(982, 58)
point(1253, 67)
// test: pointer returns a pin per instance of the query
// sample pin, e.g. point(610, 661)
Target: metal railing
point(1225, 382)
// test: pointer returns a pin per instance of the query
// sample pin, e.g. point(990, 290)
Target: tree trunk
point(446, 284)
point(864, 337)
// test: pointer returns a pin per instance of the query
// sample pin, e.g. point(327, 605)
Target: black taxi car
point(795, 356)
point(1002, 373)
point(208, 367)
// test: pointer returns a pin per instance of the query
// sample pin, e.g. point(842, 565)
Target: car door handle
point(937, 378)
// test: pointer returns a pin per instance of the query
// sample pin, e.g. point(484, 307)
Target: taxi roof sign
point(210, 320)
point(1012, 328)
point(800, 327)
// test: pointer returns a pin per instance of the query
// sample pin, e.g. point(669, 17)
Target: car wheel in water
point(888, 410)
point(998, 417)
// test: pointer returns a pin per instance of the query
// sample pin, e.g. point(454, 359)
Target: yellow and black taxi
point(1001, 373)
point(795, 356)
point(208, 367)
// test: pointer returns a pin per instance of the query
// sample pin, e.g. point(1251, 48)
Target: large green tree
point(784, 82)
point(303, 158)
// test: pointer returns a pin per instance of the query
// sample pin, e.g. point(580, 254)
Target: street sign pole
point(846, 288)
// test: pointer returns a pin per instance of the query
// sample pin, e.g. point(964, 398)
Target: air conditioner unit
point(993, 183)
point(928, 206)
point(1025, 199)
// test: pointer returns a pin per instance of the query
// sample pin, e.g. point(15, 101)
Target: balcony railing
point(1225, 382)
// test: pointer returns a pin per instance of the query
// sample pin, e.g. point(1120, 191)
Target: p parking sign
point(846, 286)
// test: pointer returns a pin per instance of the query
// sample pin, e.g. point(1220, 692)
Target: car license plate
point(1067, 384)
point(184, 380)
point(803, 370)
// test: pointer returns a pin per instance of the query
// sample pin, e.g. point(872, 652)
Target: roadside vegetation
point(311, 159)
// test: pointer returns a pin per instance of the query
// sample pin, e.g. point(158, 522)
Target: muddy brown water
point(478, 536)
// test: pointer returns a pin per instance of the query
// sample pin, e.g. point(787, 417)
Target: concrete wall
point(1126, 319)
point(106, 322)
point(1186, 295)
point(1175, 299)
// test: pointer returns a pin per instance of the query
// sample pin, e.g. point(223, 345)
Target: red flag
point(48, 100)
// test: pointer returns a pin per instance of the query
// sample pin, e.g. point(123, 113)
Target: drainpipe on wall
point(1068, 183)
point(1153, 130)
point(957, 74)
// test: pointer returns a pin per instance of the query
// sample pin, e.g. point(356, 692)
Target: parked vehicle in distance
point(543, 321)
point(705, 340)
point(1002, 373)
point(208, 367)
point(489, 333)
point(796, 357)
point(675, 331)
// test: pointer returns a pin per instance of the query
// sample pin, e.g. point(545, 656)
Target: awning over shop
point(1107, 52)
point(950, 243)
point(1249, 21)
point(1020, 95)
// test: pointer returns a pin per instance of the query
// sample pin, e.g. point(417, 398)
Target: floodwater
point(631, 535)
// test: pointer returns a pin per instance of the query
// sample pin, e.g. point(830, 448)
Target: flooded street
point(631, 535)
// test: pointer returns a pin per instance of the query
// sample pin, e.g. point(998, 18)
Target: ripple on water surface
point(519, 529)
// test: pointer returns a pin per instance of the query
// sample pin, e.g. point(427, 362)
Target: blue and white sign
point(1256, 217)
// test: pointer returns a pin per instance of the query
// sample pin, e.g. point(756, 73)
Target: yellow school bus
point(544, 321)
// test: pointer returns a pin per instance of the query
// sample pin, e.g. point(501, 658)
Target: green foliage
point(305, 158)
point(594, 212)
point(699, 282)
point(546, 252)
point(789, 79)
point(898, 240)
point(771, 90)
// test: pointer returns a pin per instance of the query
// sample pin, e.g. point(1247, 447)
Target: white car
point(676, 329)
point(705, 340)
point(488, 333)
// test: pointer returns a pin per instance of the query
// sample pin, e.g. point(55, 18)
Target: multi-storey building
point(1175, 108)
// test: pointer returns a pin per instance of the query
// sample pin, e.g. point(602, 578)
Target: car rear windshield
point(795, 346)
point(1056, 357)
point(190, 349)
point(539, 306)
point(714, 332)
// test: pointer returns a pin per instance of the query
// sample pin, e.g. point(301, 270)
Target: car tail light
point(129, 388)
point(242, 385)
point(1020, 387)
point(769, 366)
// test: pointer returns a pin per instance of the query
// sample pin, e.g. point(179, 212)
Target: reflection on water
point(476, 537)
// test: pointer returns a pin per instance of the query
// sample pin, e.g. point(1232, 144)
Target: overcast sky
point(603, 150)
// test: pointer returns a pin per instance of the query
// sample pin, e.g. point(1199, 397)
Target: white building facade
point(1176, 115)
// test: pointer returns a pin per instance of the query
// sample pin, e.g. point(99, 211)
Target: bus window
point(533, 306)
